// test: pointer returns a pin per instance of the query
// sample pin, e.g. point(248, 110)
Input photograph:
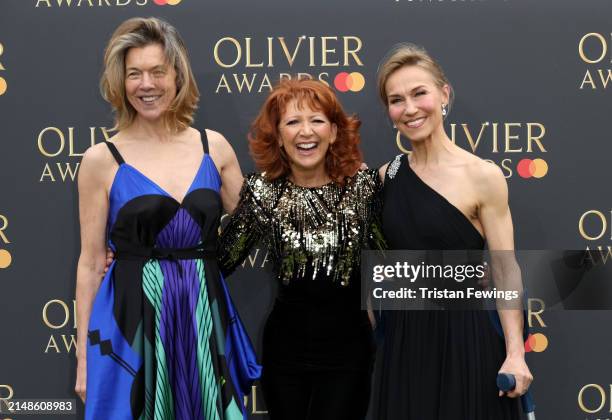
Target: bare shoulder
point(220, 149)
point(97, 166)
point(217, 141)
point(489, 180)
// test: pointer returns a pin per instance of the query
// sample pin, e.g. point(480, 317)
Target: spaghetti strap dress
point(164, 339)
point(435, 364)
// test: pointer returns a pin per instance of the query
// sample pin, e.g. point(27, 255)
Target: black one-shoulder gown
point(435, 365)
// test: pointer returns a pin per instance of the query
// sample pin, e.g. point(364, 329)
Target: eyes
point(295, 121)
point(397, 99)
point(155, 73)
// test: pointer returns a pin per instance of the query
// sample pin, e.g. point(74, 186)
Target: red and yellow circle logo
point(5, 258)
point(536, 343)
point(349, 81)
point(166, 2)
point(3, 86)
point(536, 168)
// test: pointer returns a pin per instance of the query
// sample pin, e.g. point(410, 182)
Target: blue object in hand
point(506, 383)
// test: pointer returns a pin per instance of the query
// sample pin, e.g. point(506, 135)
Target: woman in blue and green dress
point(158, 336)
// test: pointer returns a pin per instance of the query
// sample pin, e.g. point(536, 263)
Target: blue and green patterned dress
point(165, 341)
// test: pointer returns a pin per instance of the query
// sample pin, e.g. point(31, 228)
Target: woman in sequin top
point(315, 210)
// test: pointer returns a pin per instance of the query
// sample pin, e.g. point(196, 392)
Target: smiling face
point(306, 134)
point(414, 102)
point(150, 82)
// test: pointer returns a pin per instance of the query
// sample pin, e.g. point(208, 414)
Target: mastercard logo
point(349, 81)
point(166, 2)
point(3, 86)
point(536, 168)
point(5, 258)
point(536, 343)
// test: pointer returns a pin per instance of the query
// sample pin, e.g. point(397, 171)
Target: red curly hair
point(342, 160)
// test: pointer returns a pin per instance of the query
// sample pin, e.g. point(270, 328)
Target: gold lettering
point(474, 144)
point(511, 137)
point(9, 391)
point(46, 318)
point(325, 51)
point(71, 140)
point(507, 169)
point(69, 344)
point(311, 42)
point(531, 137)
point(265, 260)
point(255, 410)
point(245, 82)
point(52, 344)
point(581, 399)
point(3, 227)
point(61, 141)
point(302, 76)
point(1, 51)
point(282, 76)
point(270, 51)
point(80, 1)
point(605, 254)
point(251, 259)
point(238, 52)
point(604, 225)
point(324, 77)
point(47, 2)
point(123, 4)
point(290, 57)
point(248, 55)
point(604, 48)
point(265, 83)
point(608, 78)
point(47, 172)
point(590, 80)
point(144, 2)
point(533, 313)
point(223, 83)
point(68, 170)
point(352, 52)
point(495, 150)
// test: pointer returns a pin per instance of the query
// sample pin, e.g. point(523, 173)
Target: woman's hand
point(110, 256)
point(81, 380)
point(517, 366)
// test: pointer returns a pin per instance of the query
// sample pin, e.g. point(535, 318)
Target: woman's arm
point(496, 220)
point(224, 157)
point(93, 212)
point(244, 230)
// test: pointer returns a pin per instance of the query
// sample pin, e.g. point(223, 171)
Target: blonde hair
point(137, 33)
point(407, 54)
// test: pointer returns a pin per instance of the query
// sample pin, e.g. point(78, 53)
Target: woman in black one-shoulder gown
point(441, 365)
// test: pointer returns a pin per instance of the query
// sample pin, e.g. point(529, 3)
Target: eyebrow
point(391, 95)
point(158, 67)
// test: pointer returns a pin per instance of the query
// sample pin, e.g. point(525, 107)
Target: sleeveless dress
point(435, 365)
point(164, 339)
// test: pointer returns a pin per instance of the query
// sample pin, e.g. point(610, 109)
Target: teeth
point(415, 123)
point(149, 98)
point(307, 146)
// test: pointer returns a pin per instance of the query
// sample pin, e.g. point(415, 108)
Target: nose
point(306, 129)
point(147, 81)
point(410, 108)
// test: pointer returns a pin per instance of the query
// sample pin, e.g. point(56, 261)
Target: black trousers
point(332, 395)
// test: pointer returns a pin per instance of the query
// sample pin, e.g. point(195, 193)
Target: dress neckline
point(462, 215)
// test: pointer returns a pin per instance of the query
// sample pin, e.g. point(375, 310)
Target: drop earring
point(444, 111)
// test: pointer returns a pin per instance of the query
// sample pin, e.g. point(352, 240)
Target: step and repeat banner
point(531, 81)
